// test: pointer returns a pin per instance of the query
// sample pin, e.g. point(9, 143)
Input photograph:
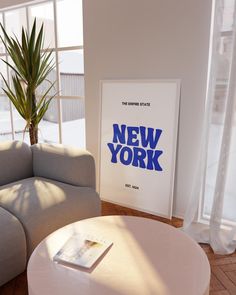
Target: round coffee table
point(147, 258)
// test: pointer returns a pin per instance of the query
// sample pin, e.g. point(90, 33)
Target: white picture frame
point(138, 138)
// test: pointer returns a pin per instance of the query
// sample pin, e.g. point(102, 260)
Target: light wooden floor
point(223, 268)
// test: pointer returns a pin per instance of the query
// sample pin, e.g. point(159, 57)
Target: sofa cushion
point(16, 161)
point(12, 247)
point(45, 205)
point(66, 164)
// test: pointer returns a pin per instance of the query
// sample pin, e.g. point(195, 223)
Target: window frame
point(56, 50)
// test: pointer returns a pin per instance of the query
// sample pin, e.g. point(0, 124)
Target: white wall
point(131, 39)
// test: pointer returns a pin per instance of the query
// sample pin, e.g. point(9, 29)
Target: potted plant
point(30, 66)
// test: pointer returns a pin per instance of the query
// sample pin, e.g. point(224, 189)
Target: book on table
point(82, 250)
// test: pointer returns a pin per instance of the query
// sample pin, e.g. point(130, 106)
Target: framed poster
point(139, 125)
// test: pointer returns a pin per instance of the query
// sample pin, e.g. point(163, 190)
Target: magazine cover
point(82, 250)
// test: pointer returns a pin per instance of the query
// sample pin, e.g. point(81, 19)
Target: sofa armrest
point(65, 164)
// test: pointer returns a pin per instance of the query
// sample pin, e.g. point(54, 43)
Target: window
point(64, 121)
point(223, 61)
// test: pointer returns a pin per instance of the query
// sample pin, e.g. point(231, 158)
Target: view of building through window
point(63, 22)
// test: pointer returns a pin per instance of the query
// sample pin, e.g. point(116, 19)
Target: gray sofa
point(42, 188)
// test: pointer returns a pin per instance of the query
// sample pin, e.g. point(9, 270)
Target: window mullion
point(8, 80)
point(57, 72)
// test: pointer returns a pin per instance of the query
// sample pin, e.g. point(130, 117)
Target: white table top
point(147, 257)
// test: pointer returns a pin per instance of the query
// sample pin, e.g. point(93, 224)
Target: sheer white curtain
point(211, 213)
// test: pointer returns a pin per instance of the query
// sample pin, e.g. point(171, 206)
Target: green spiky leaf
point(30, 67)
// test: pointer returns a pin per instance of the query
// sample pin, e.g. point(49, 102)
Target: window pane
point(15, 19)
point(230, 188)
point(19, 126)
point(44, 14)
point(50, 79)
point(3, 71)
point(19, 135)
point(69, 22)
point(71, 66)
point(228, 15)
point(73, 126)
point(49, 125)
point(5, 119)
point(11, 71)
point(224, 51)
point(18, 121)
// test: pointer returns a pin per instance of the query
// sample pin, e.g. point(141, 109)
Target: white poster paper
point(139, 123)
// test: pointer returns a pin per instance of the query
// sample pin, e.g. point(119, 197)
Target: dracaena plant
point(30, 67)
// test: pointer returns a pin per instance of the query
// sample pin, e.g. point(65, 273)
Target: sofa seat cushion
point(12, 247)
point(45, 205)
